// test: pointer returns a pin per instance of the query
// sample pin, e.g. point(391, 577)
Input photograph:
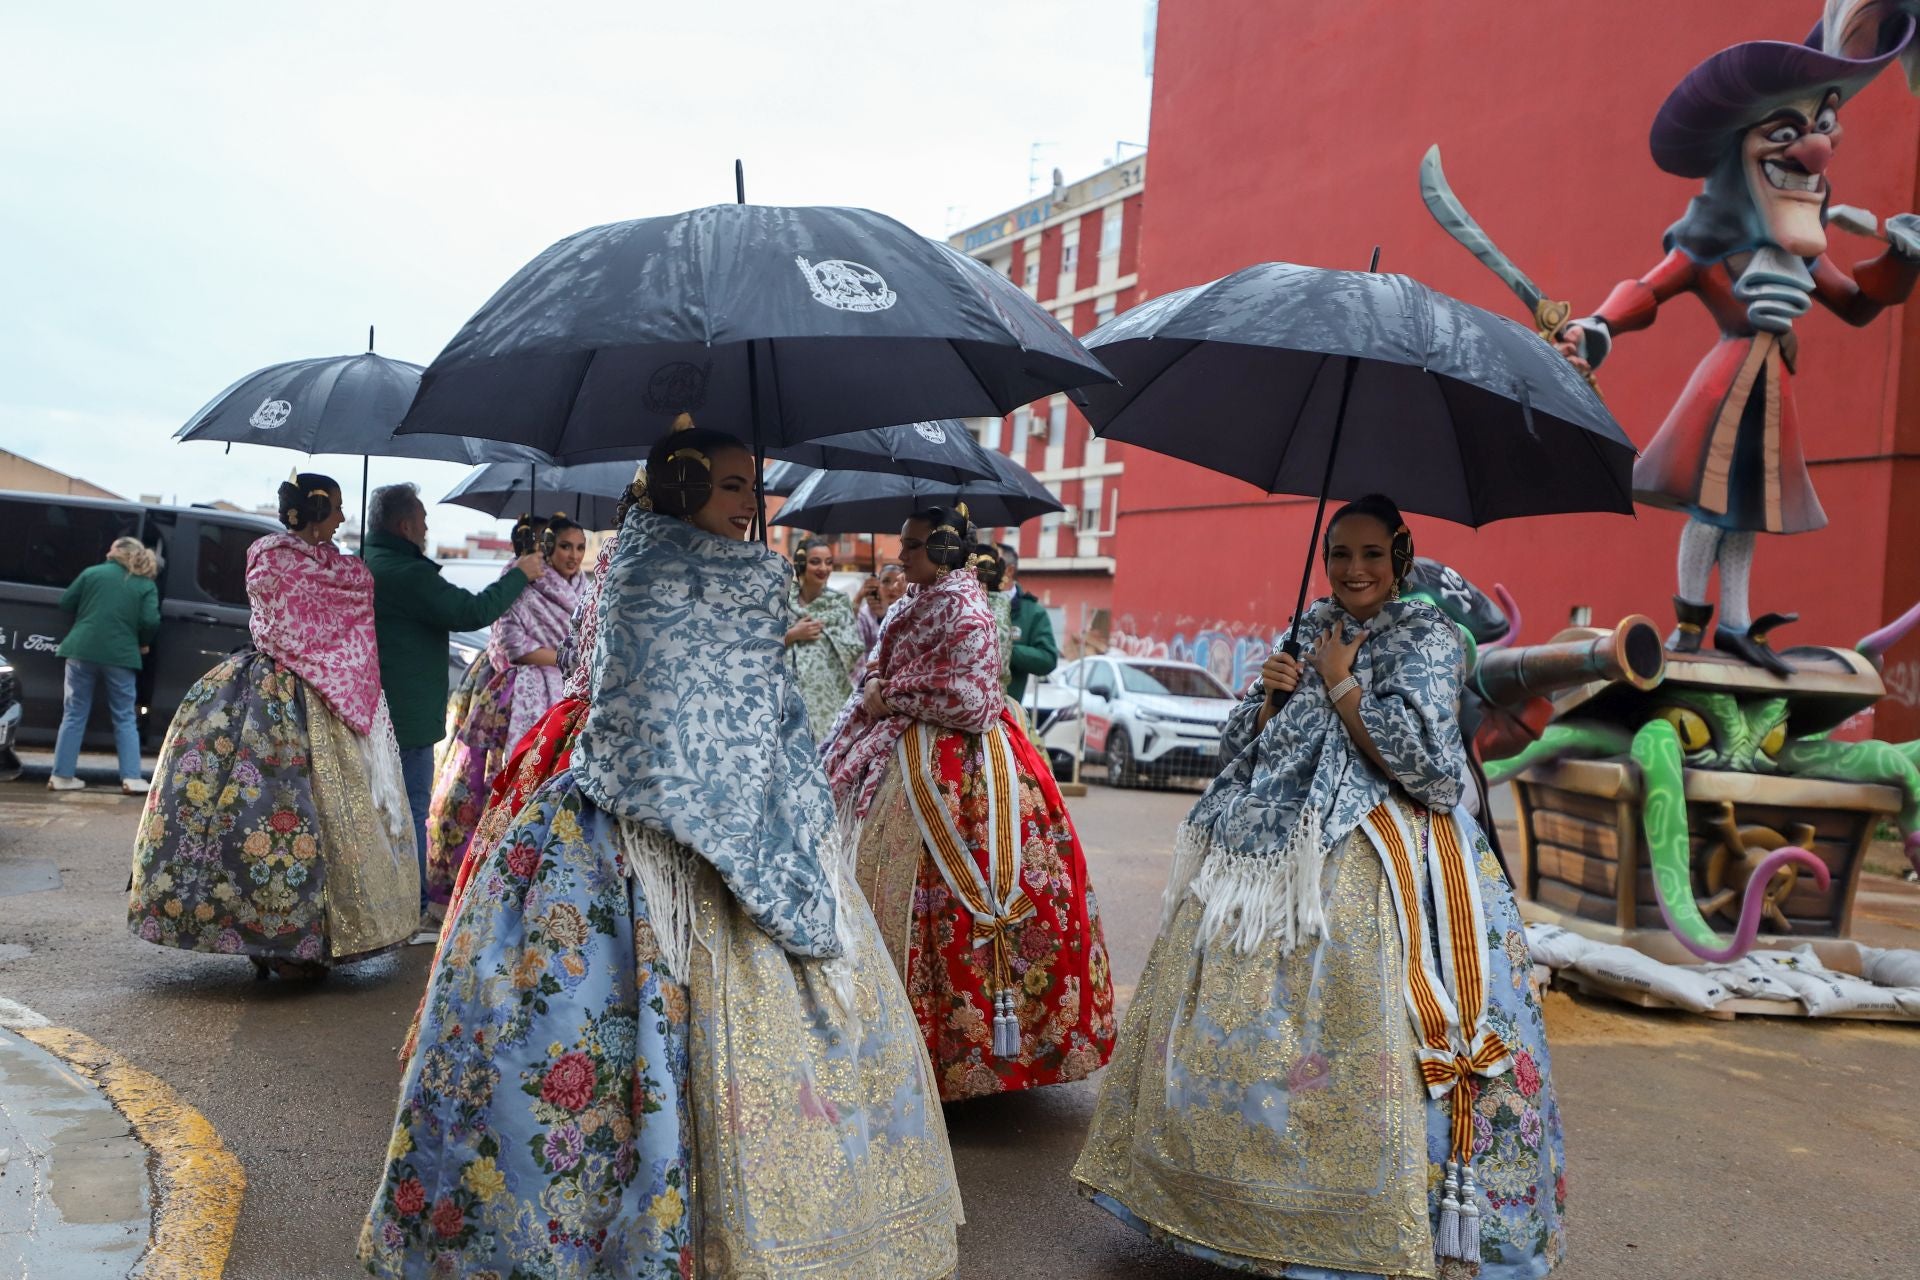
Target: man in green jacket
point(414, 611)
point(1034, 651)
point(116, 614)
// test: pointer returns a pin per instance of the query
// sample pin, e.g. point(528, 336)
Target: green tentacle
point(1888, 763)
point(1663, 809)
point(1558, 740)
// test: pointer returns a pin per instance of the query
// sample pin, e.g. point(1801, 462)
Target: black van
point(46, 539)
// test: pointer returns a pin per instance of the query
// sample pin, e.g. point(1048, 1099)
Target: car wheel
point(1120, 767)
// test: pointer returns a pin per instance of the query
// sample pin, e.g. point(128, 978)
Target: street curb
point(199, 1183)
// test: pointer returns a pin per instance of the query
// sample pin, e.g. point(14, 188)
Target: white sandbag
point(1823, 991)
point(1687, 987)
point(1557, 948)
point(1890, 966)
point(1750, 979)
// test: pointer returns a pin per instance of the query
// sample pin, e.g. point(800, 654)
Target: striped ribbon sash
point(1449, 1016)
point(995, 899)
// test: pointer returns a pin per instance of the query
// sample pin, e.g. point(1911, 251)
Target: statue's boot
point(1693, 618)
point(1751, 645)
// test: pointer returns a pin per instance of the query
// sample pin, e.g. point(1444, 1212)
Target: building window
point(1110, 223)
point(1057, 425)
point(1092, 499)
point(990, 433)
point(1103, 309)
point(1032, 278)
point(1070, 257)
point(1022, 425)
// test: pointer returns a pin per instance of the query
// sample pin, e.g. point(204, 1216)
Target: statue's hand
point(1903, 235)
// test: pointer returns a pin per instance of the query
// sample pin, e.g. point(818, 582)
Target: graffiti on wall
point(1232, 651)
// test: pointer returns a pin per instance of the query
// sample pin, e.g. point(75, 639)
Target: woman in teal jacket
point(116, 614)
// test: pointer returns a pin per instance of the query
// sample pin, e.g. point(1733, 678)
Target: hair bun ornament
point(684, 422)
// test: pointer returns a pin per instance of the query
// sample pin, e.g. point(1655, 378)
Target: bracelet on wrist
point(1342, 689)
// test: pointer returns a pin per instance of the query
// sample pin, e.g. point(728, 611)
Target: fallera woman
point(661, 1038)
point(966, 851)
point(522, 680)
point(116, 614)
point(823, 644)
point(1334, 1065)
point(278, 827)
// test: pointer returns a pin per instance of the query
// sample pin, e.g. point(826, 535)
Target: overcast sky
point(194, 190)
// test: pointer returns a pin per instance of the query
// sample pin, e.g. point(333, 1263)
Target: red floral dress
point(938, 661)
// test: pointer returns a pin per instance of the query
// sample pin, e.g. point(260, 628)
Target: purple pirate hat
point(1739, 87)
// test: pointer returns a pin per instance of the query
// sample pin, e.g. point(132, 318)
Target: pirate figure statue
point(1759, 123)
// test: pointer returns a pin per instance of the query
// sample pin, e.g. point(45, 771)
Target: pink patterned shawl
point(313, 612)
point(586, 626)
point(540, 618)
point(938, 660)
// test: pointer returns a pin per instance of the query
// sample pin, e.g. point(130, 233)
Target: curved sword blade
point(1458, 223)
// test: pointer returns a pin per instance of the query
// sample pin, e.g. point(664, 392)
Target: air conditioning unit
point(1070, 515)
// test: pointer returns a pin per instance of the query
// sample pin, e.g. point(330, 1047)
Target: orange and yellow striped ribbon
point(1448, 1015)
point(996, 900)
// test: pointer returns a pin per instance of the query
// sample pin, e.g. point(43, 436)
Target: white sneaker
point(135, 786)
point(65, 784)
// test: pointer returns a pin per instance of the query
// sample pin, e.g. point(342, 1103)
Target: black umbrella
point(337, 404)
point(782, 478)
point(1338, 383)
point(588, 492)
point(943, 450)
point(779, 325)
point(864, 502)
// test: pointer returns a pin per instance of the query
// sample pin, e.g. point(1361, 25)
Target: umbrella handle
point(1275, 697)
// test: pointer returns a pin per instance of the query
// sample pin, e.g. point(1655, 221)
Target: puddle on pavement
point(74, 1196)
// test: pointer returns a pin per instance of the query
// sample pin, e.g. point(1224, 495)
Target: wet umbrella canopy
point(588, 492)
point(1454, 411)
point(779, 325)
point(335, 404)
point(943, 450)
point(857, 502)
point(338, 404)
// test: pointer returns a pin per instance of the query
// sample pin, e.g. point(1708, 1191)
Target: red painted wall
point(1294, 131)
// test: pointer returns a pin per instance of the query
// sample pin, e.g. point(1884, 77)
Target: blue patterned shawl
point(696, 730)
point(1253, 846)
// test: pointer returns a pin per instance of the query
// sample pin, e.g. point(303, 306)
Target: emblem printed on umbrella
point(271, 414)
point(679, 386)
point(847, 286)
point(931, 432)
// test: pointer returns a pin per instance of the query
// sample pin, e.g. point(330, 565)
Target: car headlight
point(1147, 713)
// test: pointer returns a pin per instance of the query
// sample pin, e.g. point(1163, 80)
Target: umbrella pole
point(365, 463)
point(759, 445)
point(1276, 699)
point(753, 394)
point(1292, 647)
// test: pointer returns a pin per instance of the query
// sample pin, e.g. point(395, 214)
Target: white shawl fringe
point(1251, 899)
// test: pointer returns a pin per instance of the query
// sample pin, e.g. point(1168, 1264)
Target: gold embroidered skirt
point(1266, 1107)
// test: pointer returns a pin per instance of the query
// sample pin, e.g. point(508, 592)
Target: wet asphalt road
point(1698, 1149)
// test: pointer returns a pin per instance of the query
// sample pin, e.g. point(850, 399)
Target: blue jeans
point(416, 766)
point(81, 678)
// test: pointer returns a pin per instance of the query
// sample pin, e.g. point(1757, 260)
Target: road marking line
point(200, 1182)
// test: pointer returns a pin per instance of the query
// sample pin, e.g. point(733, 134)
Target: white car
point(1145, 717)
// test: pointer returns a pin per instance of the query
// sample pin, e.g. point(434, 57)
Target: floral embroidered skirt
point(545, 750)
point(1063, 991)
point(267, 832)
point(472, 755)
point(1247, 1118)
point(574, 1109)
